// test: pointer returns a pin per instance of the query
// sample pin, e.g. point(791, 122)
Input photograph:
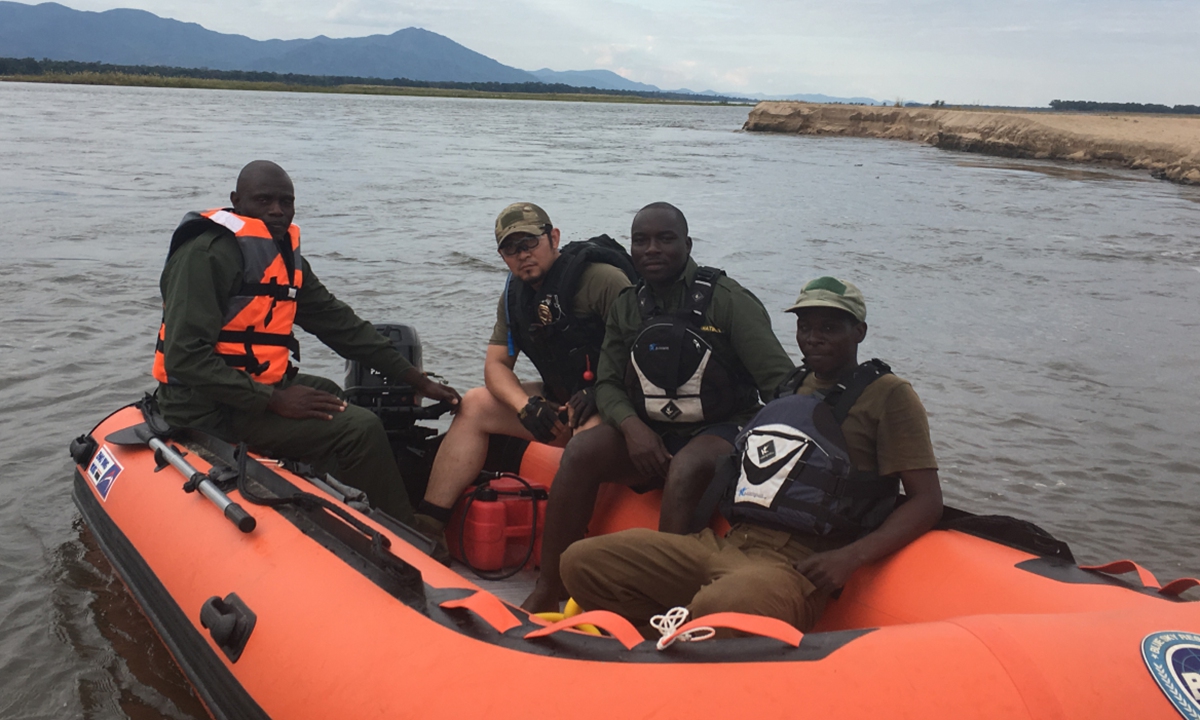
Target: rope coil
point(667, 623)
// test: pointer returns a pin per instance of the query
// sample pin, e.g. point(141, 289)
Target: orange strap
point(610, 622)
point(753, 624)
point(1120, 567)
point(1176, 587)
point(488, 607)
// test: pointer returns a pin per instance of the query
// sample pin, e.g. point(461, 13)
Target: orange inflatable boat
point(289, 603)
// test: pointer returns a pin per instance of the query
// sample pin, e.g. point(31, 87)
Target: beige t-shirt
point(599, 285)
point(887, 430)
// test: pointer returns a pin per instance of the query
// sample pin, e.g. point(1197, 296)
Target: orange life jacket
point(256, 334)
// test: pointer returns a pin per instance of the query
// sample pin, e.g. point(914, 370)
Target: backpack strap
point(792, 382)
point(512, 349)
point(699, 296)
point(647, 308)
point(842, 396)
point(604, 249)
point(701, 292)
point(695, 305)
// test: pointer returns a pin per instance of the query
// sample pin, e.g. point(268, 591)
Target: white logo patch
point(103, 471)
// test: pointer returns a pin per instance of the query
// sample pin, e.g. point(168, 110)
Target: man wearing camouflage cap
point(769, 564)
point(552, 309)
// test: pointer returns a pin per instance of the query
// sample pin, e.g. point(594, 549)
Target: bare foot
point(542, 599)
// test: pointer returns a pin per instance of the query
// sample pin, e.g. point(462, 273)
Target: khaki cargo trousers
point(641, 573)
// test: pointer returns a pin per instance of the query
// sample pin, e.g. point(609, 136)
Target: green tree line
point(1090, 106)
point(31, 67)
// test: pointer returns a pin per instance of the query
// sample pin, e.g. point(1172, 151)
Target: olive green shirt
point(887, 430)
point(599, 285)
point(197, 284)
point(743, 336)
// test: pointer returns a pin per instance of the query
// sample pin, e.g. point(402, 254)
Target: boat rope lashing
point(618, 627)
point(484, 491)
point(668, 626)
point(760, 625)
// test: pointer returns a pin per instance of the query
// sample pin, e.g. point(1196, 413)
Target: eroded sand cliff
point(1166, 145)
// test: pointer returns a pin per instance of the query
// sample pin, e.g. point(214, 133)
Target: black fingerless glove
point(538, 417)
point(583, 406)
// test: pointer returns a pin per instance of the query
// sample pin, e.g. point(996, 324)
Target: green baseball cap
point(831, 292)
point(521, 217)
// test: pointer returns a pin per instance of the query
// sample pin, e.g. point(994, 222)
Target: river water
point(1046, 314)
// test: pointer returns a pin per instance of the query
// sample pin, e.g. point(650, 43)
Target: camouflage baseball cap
point(831, 292)
point(522, 217)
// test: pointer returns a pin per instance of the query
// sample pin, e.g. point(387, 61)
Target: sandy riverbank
point(1166, 145)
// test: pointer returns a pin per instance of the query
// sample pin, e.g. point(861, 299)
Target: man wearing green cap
point(552, 309)
point(766, 564)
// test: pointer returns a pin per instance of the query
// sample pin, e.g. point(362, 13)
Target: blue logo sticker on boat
point(1174, 661)
point(103, 471)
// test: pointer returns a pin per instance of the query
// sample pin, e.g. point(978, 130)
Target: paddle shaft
point(234, 512)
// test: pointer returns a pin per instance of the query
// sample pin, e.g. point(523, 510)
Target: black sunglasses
point(516, 247)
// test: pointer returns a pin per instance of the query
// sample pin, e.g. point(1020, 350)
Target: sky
point(995, 52)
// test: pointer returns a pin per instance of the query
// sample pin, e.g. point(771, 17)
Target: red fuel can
point(491, 525)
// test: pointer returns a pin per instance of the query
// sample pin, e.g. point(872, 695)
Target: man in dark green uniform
point(202, 384)
point(656, 436)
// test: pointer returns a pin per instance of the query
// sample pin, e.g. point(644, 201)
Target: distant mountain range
point(602, 79)
point(136, 37)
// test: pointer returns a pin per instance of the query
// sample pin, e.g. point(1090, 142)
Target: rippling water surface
point(1046, 314)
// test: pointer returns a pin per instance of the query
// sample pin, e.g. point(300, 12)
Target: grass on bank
point(129, 80)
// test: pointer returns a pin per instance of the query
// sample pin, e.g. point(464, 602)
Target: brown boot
point(435, 530)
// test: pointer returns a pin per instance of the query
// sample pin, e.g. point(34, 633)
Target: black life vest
point(792, 468)
point(673, 373)
point(542, 323)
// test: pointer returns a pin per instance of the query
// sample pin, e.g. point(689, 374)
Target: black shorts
point(725, 430)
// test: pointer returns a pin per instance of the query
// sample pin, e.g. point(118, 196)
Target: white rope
point(668, 622)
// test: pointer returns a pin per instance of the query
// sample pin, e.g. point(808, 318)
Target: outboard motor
point(393, 400)
point(397, 405)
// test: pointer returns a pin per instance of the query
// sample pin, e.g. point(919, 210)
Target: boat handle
point(1120, 567)
point(488, 607)
point(1175, 588)
point(761, 625)
point(229, 621)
